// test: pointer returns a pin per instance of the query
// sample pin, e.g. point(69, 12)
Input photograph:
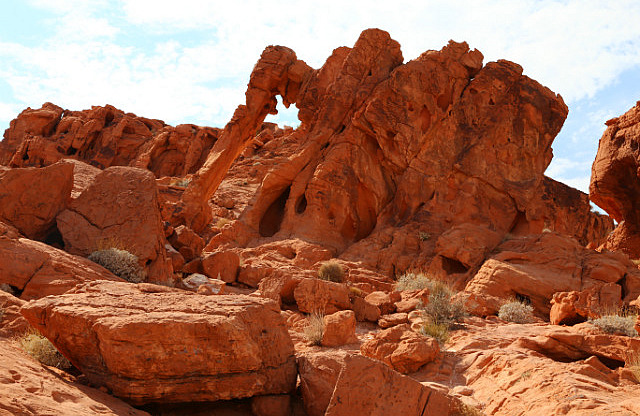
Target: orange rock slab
point(149, 343)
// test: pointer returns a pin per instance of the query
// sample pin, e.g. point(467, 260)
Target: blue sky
point(189, 61)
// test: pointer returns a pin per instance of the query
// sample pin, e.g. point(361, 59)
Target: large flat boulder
point(150, 343)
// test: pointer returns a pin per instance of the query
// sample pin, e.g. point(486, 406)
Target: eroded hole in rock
point(71, 151)
point(453, 266)
point(520, 225)
point(491, 101)
point(301, 205)
point(425, 119)
point(54, 239)
point(272, 219)
point(108, 119)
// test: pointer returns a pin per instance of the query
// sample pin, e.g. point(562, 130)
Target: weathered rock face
point(31, 198)
point(35, 269)
point(150, 343)
point(536, 267)
point(391, 156)
point(573, 307)
point(615, 186)
point(12, 323)
point(119, 209)
point(103, 137)
point(401, 349)
point(339, 383)
point(27, 389)
point(536, 369)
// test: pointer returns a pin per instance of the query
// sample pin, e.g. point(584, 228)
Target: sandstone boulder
point(615, 186)
point(221, 265)
point(119, 209)
point(574, 307)
point(36, 269)
point(339, 329)
point(536, 267)
point(149, 343)
point(12, 323)
point(384, 301)
point(322, 296)
point(27, 388)
point(31, 198)
point(401, 348)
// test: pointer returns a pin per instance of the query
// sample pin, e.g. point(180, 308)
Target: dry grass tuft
point(467, 410)
point(43, 350)
point(617, 324)
point(331, 270)
point(516, 311)
point(314, 330)
point(440, 332)
point(634, 365)
point(412, 281)
point(442, 309)
point(119, 262)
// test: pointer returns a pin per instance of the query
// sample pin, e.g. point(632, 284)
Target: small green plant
point(424, 236)
point(620, 324)
point(412, 281)
point(331, 270)
point(440, 332)
point(516, 311)
point(119, 262)
point(314, 330)
point(43, 350)
point(355, 292)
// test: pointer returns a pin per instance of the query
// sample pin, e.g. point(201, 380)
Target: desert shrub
point(315, 328)
point(516, 311)
point(331, 270)
point(412, 281)
point(424, 236)
point(119, 262)
point(43, 350)
point(634, 365)
point(180, 183)
point(440, 332)
point(467, 410)
point(616, 324)
point(355, 292)
point(441, 308)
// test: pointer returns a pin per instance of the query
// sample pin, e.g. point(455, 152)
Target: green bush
point(43, 350)
point(119, 262)
point(616, 324)
point(516, 311)
point(314, 330)
point(412, 281)
point(331, 270)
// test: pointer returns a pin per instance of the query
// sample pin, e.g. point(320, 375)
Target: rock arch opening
point(272, 218)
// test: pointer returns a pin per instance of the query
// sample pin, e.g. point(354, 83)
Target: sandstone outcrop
point(615, 186)
point(26, 388)
point(401, 348)
point(340, 383)
point(103, 137)
point(149, 343)
point(339, 329)
point(535, 267)
point(12, 323)
point(574, 307)
point(119, 209)
point(31, 198)
point(34, 269)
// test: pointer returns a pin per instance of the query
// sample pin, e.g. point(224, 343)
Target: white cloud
point(574, 47)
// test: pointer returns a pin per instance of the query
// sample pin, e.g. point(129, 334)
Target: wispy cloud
point(189, 61)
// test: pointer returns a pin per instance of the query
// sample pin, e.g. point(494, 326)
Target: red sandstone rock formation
point(150, 343)
point(35, 269)
point(119, 209)
point(103, 137)
point(536, 267)
point(615, 186)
